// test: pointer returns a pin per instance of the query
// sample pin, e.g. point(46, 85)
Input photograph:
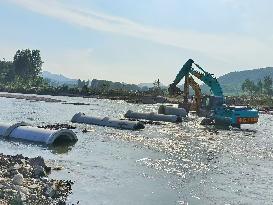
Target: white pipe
point(26, 132)
point(6, 129)
point(168, 110)
point(3, 129)
point(121, 124)
point(152, 116)
point(42, 135)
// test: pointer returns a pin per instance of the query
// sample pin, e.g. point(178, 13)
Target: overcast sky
point(139, 40)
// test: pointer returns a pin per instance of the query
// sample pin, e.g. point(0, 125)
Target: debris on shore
point(146, 122)
point(76, 103)
point(32, 98)
point(57, 126)
point(24, 180)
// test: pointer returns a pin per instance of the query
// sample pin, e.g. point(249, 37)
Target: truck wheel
point(236, 125)
point(207, 121)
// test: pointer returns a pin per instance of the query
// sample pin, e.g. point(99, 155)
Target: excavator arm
point(198, 94)
point(209, 80)
point(183, 73)
point(202, 75)
point(186, 71)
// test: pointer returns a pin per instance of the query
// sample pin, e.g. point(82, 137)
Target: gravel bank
point(24, 180)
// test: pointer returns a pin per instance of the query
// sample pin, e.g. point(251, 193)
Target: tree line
point(23, 75)
point(262, 87)
point(23, 72)
point(26, 65)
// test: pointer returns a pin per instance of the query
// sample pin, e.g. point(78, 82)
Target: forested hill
point(240, 76)
point(231, 83)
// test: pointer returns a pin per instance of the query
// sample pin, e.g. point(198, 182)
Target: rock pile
point(24, 180)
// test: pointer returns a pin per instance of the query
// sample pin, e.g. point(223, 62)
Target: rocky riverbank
point(24, 180)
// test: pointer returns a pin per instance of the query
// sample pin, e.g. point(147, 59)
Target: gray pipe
point(152, 116)
point(168, 110)
point(121, 124)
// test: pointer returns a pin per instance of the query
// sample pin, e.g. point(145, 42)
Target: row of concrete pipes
point(165, 114)
point(23, 131)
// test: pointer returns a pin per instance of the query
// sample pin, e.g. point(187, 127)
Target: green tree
point(249, 87)
point(157, 89)
point(27, 63)
point(82, 83)
point(268, 85)
point(79, 83)
point(260, 87)
point(84, 90)
point(7, 72)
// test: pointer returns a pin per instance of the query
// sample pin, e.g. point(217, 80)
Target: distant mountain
point(58, 78)
point(231, 82)
point(148, 85)
point(240, 76)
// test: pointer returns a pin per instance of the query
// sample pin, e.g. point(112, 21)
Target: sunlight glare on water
point(168, 163)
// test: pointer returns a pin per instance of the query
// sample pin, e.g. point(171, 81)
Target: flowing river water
point(164, 164)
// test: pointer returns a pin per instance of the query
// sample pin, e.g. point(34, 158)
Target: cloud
point(223, 47)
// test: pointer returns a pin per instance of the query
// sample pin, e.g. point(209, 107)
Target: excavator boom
point(209, 80)
point(202, 75)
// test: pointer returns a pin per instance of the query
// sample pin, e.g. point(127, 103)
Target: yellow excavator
point(196, 101)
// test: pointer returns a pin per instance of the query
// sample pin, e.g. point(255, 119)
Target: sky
point(139, 41)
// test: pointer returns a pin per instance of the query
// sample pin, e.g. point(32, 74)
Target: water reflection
point(61, 147)
point(162, 164)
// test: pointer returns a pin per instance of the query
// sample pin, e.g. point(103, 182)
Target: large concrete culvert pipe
point(152, 117)
point(169, 110)
point(26, 132)
point(107, 122)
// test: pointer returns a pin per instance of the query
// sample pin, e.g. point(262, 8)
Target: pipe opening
point(63, 137)
point(63, 141)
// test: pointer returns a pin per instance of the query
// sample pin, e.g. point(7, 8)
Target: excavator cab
point(208, 104)
point(211, 102)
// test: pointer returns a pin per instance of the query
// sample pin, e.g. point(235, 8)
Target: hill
point(231, 82)
point(239, 76)
point(58, 79)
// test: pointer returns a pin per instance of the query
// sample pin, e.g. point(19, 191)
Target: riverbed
point(183, 163)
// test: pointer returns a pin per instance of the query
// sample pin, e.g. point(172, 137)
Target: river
point(164, 164)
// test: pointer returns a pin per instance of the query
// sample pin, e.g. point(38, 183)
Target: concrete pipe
point(107, 122)
point(153, 117)
point(43, 135)
point(168, 110)
point(24, 131)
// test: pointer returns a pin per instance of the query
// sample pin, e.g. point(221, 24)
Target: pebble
point(50, 191)
point(39, 171)
point(18, 179)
